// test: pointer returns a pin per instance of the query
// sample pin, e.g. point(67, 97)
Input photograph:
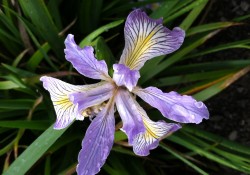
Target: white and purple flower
point(145, 38)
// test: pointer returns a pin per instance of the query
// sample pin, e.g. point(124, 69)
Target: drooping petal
point(97, 142)
point(131, 118)
point(84, 61)
point(180, 108)
point(155, 131)
point(146, 38)
point(92, 97)
point(59, 91)
point(123, 76)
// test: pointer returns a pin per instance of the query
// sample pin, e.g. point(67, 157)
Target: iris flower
point(145, 38)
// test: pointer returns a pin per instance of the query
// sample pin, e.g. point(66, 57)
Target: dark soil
point(230, 110)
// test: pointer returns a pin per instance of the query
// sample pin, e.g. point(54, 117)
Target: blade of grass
point(186, 161)
point(34, 152)
point(37, 57)
point(184, 10)
point(88, 39)
point(192, 16)
point(89, 13)
point(5, 85)
point(237, 44)
point(185, 78)
point(209, 27)
point(129, 6)
point(217, 139)
point(233, 157)
point(20, 72)
point(203, 152)
point(164, 10)
point(36, 125)
point(19, 58)
point(26, 24)
point(103, 52)
point(208, 66)
point(37, 11)
point(211, 91)
point(16, 104)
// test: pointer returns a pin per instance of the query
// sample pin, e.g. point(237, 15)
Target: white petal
point(146, 38)
point(155, 131)
point(66, 111)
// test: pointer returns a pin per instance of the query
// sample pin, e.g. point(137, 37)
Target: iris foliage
point(31, 38)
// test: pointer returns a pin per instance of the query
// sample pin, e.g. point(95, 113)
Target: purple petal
point(124, 76)
point(92, 97)
point(84, 61)
point(97, 142)
point(155, 131)
point(59, 91)
point(180, 108)
point(131, 118)
point(146, 38)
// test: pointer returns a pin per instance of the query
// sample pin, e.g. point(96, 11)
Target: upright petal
point(84, 61)
point(59, 91)
point(155, 131)
point(131, 118)
point(92, 97)
point(146, 38)
point(124, 76)
point(180, 108)
point(97, 142)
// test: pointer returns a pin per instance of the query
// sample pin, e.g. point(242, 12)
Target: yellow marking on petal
point(150, 130)
point(140, 48)
point(62, 101)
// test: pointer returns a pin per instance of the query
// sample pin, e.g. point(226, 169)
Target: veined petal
point(59, 91)
point(180, 108)
point(146, 38)
point(92, 97)
point(84, 61)
point(131, 118)
point(97, 142)
point(155, 131)
point(124, 76)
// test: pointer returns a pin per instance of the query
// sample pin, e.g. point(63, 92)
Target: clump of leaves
point(31, 37)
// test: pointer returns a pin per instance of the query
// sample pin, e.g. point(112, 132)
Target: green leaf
point(191, 17)
point(89, 13)
point(102, 52)
point(40, 17)
point(182, 158)
point(37, 125)
point(119, 135)
point(184, 10)
point(209, 27)
point(164, 10)
point(34, 152)
point(238, 44)
point(208, 66)
point(4, 85)
point(16, 104)
point(234, 146)
point(37, 57)
point(185, 78)
point(18, 71)
point(129, 6)
point(203, 151)
point(88, 39)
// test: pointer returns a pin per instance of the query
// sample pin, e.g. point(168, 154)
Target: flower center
point(93, 110)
